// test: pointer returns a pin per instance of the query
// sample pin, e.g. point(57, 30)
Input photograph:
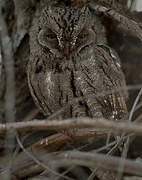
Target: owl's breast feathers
point(98, 80)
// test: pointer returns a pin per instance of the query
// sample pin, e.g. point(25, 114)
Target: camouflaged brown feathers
point(70, 59)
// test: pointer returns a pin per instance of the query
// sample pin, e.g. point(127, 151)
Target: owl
point(71, 66)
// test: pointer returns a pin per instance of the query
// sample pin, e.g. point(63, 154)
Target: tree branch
point(114, 126)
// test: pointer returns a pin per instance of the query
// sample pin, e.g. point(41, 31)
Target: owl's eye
point(51, 36)
point(82, 36)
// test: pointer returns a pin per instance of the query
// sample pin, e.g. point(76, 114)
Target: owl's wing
point(51, 91)
point(103, 78)
point(41, 85)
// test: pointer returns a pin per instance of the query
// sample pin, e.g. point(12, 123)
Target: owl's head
point(66, 30)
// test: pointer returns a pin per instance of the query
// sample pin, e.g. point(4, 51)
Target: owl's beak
point(67, 49)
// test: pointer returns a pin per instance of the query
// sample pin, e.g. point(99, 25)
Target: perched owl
point(72, 66)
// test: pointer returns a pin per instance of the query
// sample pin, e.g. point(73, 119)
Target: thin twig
point(38, 161)
point(126, 145)
point(134, 105)
point(90, 160)
point(98, 160)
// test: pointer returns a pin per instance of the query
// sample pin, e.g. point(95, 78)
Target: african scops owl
point(72, 67)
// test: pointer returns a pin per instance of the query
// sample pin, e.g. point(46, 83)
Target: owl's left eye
point(51, 36)
point(82, 36)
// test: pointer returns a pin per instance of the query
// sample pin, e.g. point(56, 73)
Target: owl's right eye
point(82, 36)
point(51, 36)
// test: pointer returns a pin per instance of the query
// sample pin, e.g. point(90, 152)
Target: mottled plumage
point(71, 63)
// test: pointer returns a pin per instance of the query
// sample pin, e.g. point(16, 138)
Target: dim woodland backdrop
point(25, 150)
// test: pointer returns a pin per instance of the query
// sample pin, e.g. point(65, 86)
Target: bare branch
point(73, 123)
point(93, 160)
point(125, 23)
point(36, 160)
